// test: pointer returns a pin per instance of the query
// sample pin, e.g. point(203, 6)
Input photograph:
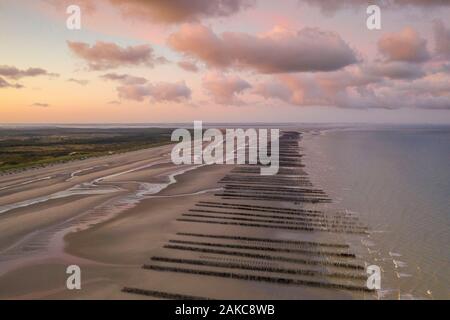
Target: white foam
point(394, 254)
point(399, 264)
point(403, 275)
point(75, 173)
point(25, 183)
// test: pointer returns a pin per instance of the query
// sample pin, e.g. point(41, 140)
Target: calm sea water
point(398, 181)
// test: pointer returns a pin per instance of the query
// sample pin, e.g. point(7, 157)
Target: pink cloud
point(188, 66)
point(224, 89)
point(133, 92)
point(160, 92)
point(396, 70)
point(106, 55)
point(437, 85)
point(405, 45)
point(78, 81)
point(175, 11)
point(330, 6)
point(87, 6)
point(124, 78)
point(165, 11)
point(165, 91)
point(279, 51)
point(356, 87)
point(15, 73)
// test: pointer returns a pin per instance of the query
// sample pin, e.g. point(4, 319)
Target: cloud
point(78, 81)
point(396, 70)
point(41, 105)
point(160, 92)
point(442, 39)
point(188, 66)
point(6, 84)
point(138, 88)
point(360, 87)
point(427, 102)
point(437, 85)
point(124, 78)
point(330, 6)
point(419, 3)
point(300, 90)
point(134, 92)
point(278, 51)
point(175, 11)
point(106, 55)
point(405, 45)
point(317, 88)
point(166, 11)
point(274, 90)
point(224, 89)
point(165, 91)
point(15, 73)
point(87, 6)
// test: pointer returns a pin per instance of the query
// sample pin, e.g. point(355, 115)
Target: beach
point(140, 227)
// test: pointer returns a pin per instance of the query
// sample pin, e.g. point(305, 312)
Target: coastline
point(132, 225)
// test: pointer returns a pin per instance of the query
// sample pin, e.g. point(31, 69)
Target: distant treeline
point(29, 147)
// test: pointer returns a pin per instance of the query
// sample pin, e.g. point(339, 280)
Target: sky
point(303, 61)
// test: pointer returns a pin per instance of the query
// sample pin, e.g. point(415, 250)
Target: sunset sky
point(142, 61)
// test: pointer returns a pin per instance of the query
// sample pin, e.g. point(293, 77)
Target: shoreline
point(392, 207)
point(203, 201)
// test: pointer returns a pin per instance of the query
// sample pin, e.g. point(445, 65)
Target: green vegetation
point(30, 147)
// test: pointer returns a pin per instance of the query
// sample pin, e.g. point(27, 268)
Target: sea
point(397, 179)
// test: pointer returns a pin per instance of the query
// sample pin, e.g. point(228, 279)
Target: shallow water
point(398, 181)
point(49, 242)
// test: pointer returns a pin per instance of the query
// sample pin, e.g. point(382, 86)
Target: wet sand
point(140, 227)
